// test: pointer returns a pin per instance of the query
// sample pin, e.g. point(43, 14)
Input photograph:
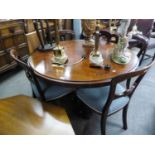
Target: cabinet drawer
point(5, 59)
point(10, 32)
point(12, 41)
point(11, 29)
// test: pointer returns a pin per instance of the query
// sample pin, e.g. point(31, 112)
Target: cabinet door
point(1, 45)
point(8, 43)
point(6, 61)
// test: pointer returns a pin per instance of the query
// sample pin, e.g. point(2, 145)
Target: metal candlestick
point(88, 28)
point(95, 56)
point(60, 56)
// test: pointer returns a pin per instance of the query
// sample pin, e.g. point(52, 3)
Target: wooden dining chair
point(40, 87)
point(143, 41)
point(36, 38)
point(46, 32)
point(111, 38)
point(65, 31)
point(107, 100)
point(24, 115)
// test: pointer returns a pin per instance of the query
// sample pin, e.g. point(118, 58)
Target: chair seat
point(54, 92)
point(151, 43)
point(152, 34)
point(96, 98)
point(26, 115)
point(51, 92)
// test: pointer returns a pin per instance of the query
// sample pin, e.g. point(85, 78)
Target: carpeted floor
point(141, 114)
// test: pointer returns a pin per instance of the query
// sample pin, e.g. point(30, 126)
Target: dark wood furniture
point(11, 35)
point(34, 42)
point(46, 32)
point(77, 72)
point(107, 100)
point(109, 36)
point(144, 41)
point(66, 24)
point(24, 115)
point(40, 87)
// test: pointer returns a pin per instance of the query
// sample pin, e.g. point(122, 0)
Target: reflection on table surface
point(77, 70)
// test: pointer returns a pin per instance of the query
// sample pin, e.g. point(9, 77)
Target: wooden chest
point(11, 35)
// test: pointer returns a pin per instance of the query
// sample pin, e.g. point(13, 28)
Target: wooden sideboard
point(11, 35)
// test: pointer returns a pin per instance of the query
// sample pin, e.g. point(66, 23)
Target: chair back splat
point(144, 41)
point(29, 74)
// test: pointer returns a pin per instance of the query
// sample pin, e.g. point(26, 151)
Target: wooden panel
point(8, 43)
point(4, 59)
point(33, 41)
point(19, 39)
point(1, 45)
point(29, 25)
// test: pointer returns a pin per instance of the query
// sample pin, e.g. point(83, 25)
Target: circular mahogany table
point(77, 71)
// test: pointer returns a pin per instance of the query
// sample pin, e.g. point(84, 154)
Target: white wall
point(77, 28)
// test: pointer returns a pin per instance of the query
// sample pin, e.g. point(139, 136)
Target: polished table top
point(77, 71)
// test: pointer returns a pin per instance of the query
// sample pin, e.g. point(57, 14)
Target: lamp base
point(60, 56)
point(121, 57)
point(96, 58)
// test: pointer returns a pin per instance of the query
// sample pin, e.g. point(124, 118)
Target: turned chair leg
point(103, 124)
point(142, 58)
point(142, 55)
point(153, 56)
point(124, 117)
